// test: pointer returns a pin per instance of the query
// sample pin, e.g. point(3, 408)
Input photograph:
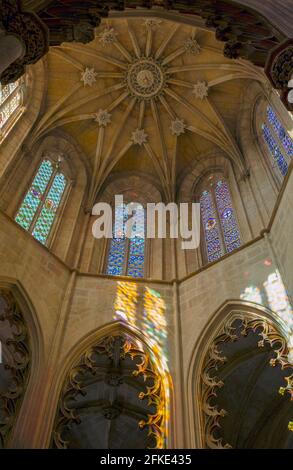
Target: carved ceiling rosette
point(210, 383)
point(146, 88)
point(247, 33)
point(16, 363)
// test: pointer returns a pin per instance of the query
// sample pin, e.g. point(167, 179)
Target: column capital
point(30, 30)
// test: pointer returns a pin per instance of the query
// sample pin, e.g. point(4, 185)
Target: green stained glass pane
point(33, 197)
point(9, 101)
point(48, 212)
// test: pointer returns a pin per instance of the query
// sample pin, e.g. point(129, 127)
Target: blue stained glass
point(116, 256)
point(33, 197)
point(275, 150)
point(46, 218)
point(286, 140)
point(122, 248)
point(136, 257)
point(211, 227)
point(228, 221)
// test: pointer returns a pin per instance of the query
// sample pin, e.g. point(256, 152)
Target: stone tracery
point(210, 383)
point(116, 349)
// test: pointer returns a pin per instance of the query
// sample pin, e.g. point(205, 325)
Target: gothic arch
point(135, 187)
point(25, 348)
point(126, 182)
point(74, 202)
point(34, 93)
point(207, 162)
point(202, 387)
point(134, 344)
point(257, 118)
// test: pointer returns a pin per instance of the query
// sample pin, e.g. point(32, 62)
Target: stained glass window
point(211, 226)
point(278, 141)
point(219, 222)
point(126, 254)
point(40, 204)
point(229, 225)
point(10, 100)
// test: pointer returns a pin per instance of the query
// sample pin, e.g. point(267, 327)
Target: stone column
point(11, 49)
point(23, 40)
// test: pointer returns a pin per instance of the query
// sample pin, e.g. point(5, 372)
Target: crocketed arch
point(22, 359)
point(129, 381)
point(235, 319)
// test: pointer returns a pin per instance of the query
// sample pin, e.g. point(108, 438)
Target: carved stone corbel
point(279, 69)
point(28, 27)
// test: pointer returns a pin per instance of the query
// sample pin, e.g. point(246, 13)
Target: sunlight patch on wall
point(125, 303)
point(152, 323)
point(273, 294)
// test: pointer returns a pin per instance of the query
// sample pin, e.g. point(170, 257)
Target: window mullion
point(10, 97)
point(44, 197)
point(222, 240)
point(126, 257)
point(279, 143)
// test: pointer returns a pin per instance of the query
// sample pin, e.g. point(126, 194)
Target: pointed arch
point(23, 347)
point(147, 365)
point(202, 386)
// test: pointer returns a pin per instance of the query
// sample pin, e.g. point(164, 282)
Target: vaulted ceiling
point(148, 95)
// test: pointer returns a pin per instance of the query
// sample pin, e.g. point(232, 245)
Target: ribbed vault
point(147, 95)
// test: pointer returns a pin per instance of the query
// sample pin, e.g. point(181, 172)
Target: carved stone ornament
point(139, 137)
point(89, 77)
point(177, 127)
point(107, 36)
point(200, 90)
point(152, 23)
point(75, 20)
point(210, 383)
point(74, 386)
point(145, 78)
point(103, 118)
point(279, 66)
point(30, 30)
point(191, 46)
point(279, 69)
point(16, 362)
point(247, 33)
